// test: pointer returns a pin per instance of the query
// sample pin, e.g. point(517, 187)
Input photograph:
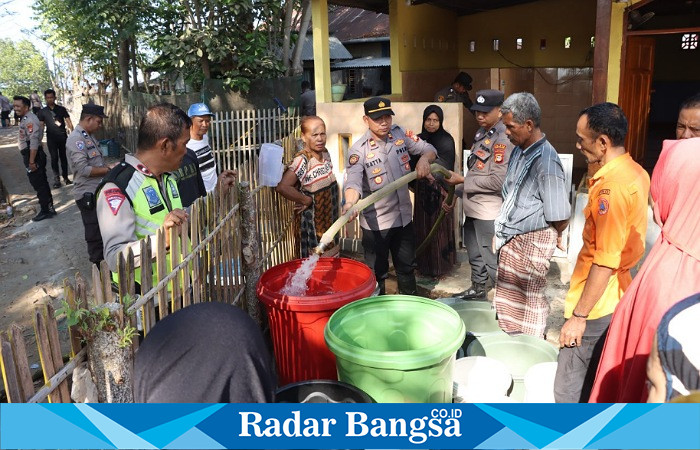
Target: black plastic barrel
point(321, 391)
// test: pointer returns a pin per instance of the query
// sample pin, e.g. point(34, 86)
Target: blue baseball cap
point(199, 109)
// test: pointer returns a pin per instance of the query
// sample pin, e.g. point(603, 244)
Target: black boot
point(56, 181)
point(382, 288)
point(67, 181)
point(43, 214)
point(476, 292)
point(406, 283)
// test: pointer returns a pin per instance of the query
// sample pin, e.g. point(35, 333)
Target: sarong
point(523, 264)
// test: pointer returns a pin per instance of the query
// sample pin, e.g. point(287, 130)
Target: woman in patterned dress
point(310, 183)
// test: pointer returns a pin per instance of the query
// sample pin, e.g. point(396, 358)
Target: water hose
point(433, 231)
point(327, 237)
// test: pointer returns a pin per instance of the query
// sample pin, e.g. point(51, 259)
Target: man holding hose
point(378, 158)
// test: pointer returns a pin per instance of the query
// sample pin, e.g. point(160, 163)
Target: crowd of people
point(515, 202)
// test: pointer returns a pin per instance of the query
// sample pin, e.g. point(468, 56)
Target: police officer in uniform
point(378, 158)
point(88, 170)
point(29, 143)
point(457, 92)
point(481, 189)
point(139, 195)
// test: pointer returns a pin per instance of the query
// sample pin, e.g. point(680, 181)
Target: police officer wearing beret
point(481, 189)
point(378, 158)
point(457, 92)
point(29, 142)
point(88, 169)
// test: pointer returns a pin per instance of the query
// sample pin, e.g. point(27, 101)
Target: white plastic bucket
point(270, 167)
point(539, 383)
point(481, 379)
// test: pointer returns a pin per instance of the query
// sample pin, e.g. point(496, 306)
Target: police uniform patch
point(30, 127)
point(372, 143)
point(151, 196)
point(405, 157)
point(173, 189)
point(378, 180)
point(94, 154)
point(353, 159)
point(376, 170)
point(498, 156)
point(487, 141)
point(407, 166)
point(603, 192)
point(499, 147)
point(84, 133)
point(479, 165)
point(603, 206)
point(410, 134)
point(80, 145)
point(114, 198)
point(480, 153)
point(143, 169)
point(399, 142)
point(370, 155)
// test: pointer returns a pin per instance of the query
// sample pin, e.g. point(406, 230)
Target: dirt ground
point(35, 258)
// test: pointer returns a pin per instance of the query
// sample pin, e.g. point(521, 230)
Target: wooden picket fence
point(231, 237)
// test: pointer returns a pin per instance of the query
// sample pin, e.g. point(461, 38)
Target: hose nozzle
point(320, 248)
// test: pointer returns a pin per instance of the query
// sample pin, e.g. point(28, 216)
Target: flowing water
point(297, 282)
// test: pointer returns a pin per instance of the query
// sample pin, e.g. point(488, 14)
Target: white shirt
point(207, 163)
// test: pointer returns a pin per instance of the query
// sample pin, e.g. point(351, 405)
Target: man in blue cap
point(199, 143)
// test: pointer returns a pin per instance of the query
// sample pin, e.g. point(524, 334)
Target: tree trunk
point(111, 366)
point(206, 69)
point(287, 31)
point(134, 69)
point(296, 68)
point(124, 64)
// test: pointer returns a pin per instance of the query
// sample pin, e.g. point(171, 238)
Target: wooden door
point(635, 91)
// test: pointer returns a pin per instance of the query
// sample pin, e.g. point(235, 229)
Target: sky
point(20, 25)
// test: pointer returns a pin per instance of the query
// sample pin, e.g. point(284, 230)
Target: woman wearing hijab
point(674, 363)
point(439, 256)
point(670, 273)
point(205, 353)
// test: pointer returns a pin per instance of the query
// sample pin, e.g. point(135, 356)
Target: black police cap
point(486, 100)
point(377, 107)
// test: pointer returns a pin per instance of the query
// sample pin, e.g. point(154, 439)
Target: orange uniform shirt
point(613, 236)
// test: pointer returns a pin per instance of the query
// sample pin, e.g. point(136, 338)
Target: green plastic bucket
point(479, 319)
point(397, 348)
point(518, 353)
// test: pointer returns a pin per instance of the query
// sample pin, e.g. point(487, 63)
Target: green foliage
point(98, 318)
point(22, 69)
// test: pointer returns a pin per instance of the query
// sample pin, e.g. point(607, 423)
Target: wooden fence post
point(250, 251)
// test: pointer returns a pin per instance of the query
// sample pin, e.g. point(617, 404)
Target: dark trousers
point(38, 179)
point(478, 237)
point(5, 119)
point(577, 365)
point(401, 242)
point(92, 233)
point(57, 150)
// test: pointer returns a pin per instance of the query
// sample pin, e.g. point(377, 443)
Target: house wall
point(553, 20)
point(427, 37)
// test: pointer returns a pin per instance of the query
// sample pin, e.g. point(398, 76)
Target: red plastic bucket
point(297, 323)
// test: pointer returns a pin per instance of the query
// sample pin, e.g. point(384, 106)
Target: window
point(567, 42)
point(689, 41)
point(344, 141)
point(519, 43)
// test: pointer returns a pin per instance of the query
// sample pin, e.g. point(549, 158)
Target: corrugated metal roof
point(367, 61)
point(336, 48)
point(354, 23)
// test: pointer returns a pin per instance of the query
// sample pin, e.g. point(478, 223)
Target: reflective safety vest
point(146, 196)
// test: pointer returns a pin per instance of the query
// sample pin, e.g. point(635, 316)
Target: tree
point(23, 68)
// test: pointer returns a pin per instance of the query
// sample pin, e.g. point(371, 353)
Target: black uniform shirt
point(55, 120)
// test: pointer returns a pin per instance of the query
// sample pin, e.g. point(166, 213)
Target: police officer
point(457, 92)
point(29, 143)
point(88, 170)
point(139, 195)
point(481, 190)
point(378, 158)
